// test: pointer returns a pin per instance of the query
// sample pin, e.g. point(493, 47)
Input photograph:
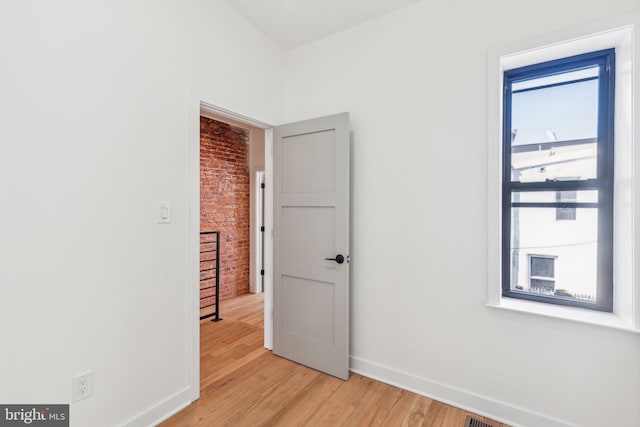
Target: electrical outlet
point(82, 386)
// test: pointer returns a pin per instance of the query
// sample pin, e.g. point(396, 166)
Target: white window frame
point(623, 34)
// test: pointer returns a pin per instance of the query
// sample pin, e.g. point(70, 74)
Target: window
point(557, 181)
point(566, 214)
point(619, 34)
point(542, 273)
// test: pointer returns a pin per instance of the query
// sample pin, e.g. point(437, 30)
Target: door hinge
point(262, 229)
point(262, 185)
point(262, 272)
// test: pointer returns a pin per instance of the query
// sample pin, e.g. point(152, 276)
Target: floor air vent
point(474, 422)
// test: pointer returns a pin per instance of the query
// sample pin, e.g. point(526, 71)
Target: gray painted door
point(311, 223)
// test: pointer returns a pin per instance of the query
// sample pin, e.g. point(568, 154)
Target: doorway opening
point(231, 159)
point(260, 159)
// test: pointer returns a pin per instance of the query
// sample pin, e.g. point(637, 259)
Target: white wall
point(415, 83)
point(94, 134)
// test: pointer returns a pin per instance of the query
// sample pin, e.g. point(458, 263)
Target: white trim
point(469, 401)
point(257, 286)
point(161, 411)
point(268, 239)
point(207, 107)
point(573, 314)
point(193, 215)
point(623, 34)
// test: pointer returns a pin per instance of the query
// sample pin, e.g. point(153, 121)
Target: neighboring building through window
point(557, 236)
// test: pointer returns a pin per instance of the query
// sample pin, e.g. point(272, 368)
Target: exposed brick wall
point(224, 199)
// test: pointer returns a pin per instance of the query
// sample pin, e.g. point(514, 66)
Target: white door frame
point(200, 102)
point(260, 233)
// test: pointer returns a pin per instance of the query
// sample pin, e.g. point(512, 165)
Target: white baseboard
point(472, 402)
point(161, 411)
point(485, 406)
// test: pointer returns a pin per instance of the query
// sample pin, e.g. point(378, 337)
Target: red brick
point(224, 201)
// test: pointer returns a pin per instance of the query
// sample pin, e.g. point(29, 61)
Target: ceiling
point(293, 23)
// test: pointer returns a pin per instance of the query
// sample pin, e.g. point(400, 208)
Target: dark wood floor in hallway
point(243, 384)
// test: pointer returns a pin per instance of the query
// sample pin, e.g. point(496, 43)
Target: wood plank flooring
point(243, 384)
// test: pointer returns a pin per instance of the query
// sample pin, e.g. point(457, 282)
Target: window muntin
point(558, 166)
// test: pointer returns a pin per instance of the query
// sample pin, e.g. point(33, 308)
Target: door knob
point(339, 259)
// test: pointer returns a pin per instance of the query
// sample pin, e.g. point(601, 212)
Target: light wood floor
point(243, 384)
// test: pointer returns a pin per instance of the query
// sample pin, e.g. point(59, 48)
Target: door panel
point(309, 177)
point(303, 301)
point(306, 224)
point(311, 223)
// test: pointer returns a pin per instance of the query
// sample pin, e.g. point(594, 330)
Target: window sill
point(580, 315)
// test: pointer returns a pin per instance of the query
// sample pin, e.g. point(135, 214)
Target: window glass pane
point(555, 258)
point(584, 196)
point(542, 266)
point(554, 131)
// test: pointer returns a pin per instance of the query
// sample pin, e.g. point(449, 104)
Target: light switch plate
point(164, 216)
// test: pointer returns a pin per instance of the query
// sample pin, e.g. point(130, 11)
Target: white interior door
point(311, 243)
